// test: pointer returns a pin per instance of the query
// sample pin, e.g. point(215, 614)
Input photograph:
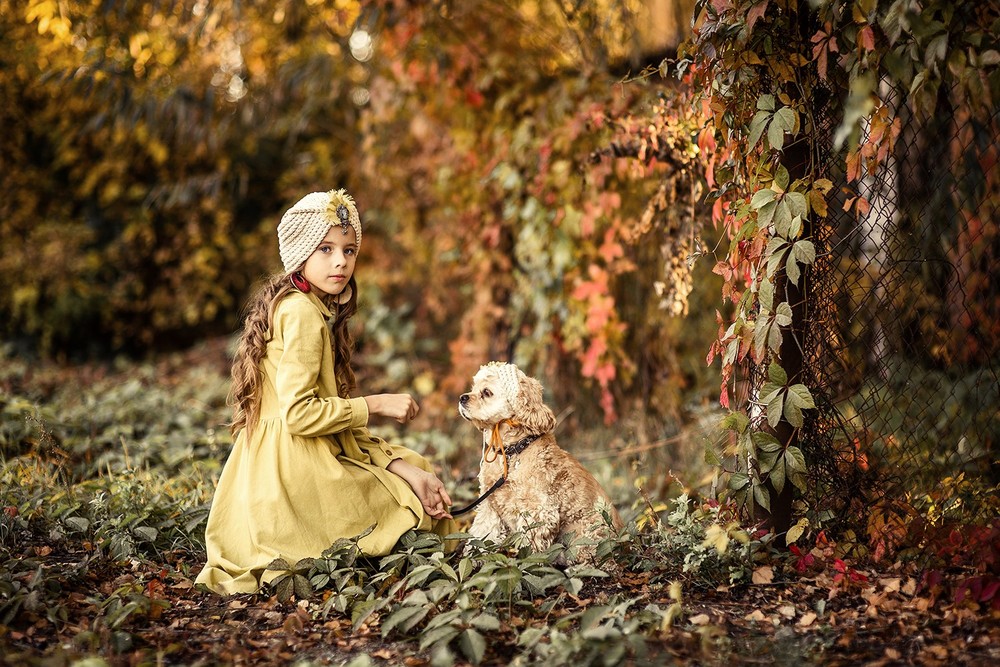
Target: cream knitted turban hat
point(507, 376)
point(305, 224)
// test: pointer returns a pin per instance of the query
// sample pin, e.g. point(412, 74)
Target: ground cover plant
point(107, 472)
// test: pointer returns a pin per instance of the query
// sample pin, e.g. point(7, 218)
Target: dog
point(547, 494)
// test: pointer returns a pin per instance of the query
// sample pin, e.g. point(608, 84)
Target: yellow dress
point(311, 472)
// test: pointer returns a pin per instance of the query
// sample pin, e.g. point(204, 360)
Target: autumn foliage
point(505, 176)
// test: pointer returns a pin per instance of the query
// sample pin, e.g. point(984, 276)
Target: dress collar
point(318, 302)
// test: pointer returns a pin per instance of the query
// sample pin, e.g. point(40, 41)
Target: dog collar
point(520, 445)
point(510, 450)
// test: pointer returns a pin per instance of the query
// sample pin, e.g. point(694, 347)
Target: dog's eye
point(487, 393)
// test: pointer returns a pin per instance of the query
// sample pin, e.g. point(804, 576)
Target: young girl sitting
point(304, 470)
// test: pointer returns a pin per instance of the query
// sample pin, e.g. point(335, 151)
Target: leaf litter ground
point(792, 622)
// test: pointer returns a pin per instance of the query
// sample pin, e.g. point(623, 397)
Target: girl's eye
point(324, 248)
point(487, 393)
point(350, 251)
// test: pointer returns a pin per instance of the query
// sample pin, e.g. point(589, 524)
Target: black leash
point(514, 449)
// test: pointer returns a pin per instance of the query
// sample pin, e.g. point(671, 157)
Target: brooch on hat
point(344, 216)
point(341, 210)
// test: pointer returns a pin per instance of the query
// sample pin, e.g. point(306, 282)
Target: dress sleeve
point(376, 448)
point(306, 413)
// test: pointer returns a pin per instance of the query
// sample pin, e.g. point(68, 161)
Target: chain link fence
point(901, 330)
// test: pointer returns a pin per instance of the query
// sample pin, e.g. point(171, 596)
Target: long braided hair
point(248, 376)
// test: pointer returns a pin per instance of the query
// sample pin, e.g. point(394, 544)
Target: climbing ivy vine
point(761, 68)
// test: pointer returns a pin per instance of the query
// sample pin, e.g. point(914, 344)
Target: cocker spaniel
point(547, 494)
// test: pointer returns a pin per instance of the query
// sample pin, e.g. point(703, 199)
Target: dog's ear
point(531, 409)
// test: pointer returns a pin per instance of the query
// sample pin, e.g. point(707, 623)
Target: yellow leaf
point(675, 591)
point(673, 613)
point(795, 532)
point(716, 536)
point(890, 585)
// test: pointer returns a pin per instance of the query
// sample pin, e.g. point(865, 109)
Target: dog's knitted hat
point(507, 375)
point(305, 224)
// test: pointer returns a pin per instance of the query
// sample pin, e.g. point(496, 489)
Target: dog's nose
point(463, 399)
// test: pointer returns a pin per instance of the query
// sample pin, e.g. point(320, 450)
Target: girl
point(304, 470)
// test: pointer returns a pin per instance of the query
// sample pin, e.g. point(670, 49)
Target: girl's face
point(332, 263)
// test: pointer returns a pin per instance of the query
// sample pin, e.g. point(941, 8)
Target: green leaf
point(77, 523)
point(401, 616)
point(783, 315)
point(797, 478)
point(464, 568)
point(301, 586)
point(774, 245)
point(766, 461)
point(738, 480)
point(278, 564)
point(777, 475)
point(804, 252)
point(767, 393)
point(766, 214)
point(362, 610)
point(760, 332)
point(735, 421)
point(765, 294)
point(775, 135)
point(486, 621)
point(762, 197)
point(304, 565)
point(792, 270)
point(774, 338)
point(776, 257)
point(711, 458)
point(762, 497)
point(774, 408)
point(285, 588)
point(531, 636)
point(796, 203)
point(757, 126)
point(799, 393)
point(793, 414)
point(473, 645)
point(781, 177)
point(443, 634)
point(795, 460)
point(147, 533)
point(592, 615)
point(765, 442)
point(765, 102)
point(777, 374)
point(785, 118)
point(782, 218)
point(795, 227)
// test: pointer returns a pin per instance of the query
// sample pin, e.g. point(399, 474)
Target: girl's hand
point(400, 407)
point(427, 487)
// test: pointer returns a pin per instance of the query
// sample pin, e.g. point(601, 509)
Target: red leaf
point(755, 13)
point(990, 591)
point(867, 38)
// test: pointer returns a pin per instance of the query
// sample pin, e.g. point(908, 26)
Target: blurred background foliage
point(526, 178)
